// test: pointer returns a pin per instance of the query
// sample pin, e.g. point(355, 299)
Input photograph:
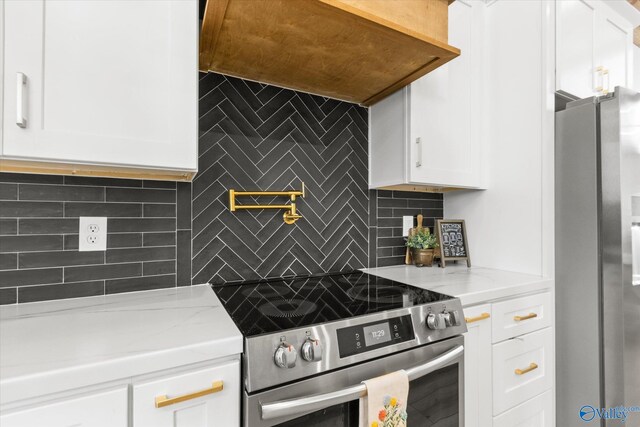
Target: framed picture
point(452, 238)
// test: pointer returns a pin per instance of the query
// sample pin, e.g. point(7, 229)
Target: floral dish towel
point(386, 400)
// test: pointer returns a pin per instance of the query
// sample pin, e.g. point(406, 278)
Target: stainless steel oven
point(436, 390)
point(310, 342)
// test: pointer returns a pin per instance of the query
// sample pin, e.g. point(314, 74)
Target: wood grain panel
point(49, 168)
point(214, 13)
point(428, 17)
point(326, 47)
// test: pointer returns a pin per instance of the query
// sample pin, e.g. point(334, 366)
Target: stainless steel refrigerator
point(598, 257)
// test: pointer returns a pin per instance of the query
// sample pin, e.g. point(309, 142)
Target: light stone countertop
point(473, 285)
point(53, 346)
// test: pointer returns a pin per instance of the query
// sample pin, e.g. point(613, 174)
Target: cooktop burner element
point(277, 305)
point(287, 308)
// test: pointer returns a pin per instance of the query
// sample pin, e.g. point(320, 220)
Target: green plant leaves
point(422, 239)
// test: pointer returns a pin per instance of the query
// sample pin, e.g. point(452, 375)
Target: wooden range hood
point(354, 50)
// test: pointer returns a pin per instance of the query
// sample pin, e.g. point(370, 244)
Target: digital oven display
point(376, 334)
point(371, 336)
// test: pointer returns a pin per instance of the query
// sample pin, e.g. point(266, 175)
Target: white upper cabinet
point(575, 48)
point(614, 51)
point(428, 134)
point(594, 48)
point(101, 83)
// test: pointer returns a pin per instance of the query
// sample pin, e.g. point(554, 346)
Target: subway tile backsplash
point(390, 207)
point(165, 234)
point(39, 257)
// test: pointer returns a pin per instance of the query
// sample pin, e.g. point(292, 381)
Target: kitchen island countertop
point(48, 347)
point(473, 285)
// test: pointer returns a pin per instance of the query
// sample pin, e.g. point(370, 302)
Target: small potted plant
point(422, 243)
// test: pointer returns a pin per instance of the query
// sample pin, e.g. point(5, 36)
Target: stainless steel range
point(310, 342)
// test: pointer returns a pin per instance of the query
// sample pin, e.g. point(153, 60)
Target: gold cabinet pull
point(477, 318)
point(162, 401)
point(531, 367)
point(528, 316)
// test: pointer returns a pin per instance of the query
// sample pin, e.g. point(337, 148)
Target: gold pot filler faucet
point(290, 216)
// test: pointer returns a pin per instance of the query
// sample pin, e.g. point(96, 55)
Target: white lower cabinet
point(509, 362)
point(522, 369)
point(522, 315)
point(207, 395)
point(219, 407)
point(536, 412)
point(477, 365)
point(104, 409)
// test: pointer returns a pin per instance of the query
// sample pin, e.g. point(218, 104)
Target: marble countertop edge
point(56, 346)
point(475, 285)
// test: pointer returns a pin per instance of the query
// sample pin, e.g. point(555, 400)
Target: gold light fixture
point(290, 216)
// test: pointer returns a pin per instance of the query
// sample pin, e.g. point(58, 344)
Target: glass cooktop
point(275, 305)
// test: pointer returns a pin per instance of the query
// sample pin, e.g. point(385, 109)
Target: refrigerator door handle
point(635, 254)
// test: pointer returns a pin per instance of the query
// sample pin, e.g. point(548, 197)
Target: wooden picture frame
point(444, 229)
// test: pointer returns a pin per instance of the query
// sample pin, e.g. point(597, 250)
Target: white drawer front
point(521, 315)
point(522, 368)
point(221, 408)
point(537, 412)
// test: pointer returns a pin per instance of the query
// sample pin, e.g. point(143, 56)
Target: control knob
point(311, 350)
point(285, 356)
point(452, 318)
point(436, 321)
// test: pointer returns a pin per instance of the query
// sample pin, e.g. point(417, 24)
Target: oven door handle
point(285, 408)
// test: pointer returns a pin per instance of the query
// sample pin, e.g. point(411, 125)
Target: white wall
point(636, 68)
point(510, 225)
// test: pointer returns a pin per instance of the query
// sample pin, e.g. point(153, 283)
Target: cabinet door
point(612, 50)
point(477, 366)
point(105, 82)
point(444, 108)
point(107, 409)
point(221, 408)
point(537, 412)
point(575, 38)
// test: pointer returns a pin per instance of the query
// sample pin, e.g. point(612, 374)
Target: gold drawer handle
point(477, 318)
point(528, 316)
point(162, 401)
point(531, 367)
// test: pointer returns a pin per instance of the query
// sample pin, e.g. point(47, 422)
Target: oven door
point(436, 390)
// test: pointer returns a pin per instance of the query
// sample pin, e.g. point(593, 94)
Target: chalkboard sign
point(452, 238)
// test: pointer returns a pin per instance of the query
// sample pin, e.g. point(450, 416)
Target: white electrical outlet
point(407, 223)
point(92, 233)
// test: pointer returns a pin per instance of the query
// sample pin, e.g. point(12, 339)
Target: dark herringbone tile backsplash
point(259, 137)
point(252, 137)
